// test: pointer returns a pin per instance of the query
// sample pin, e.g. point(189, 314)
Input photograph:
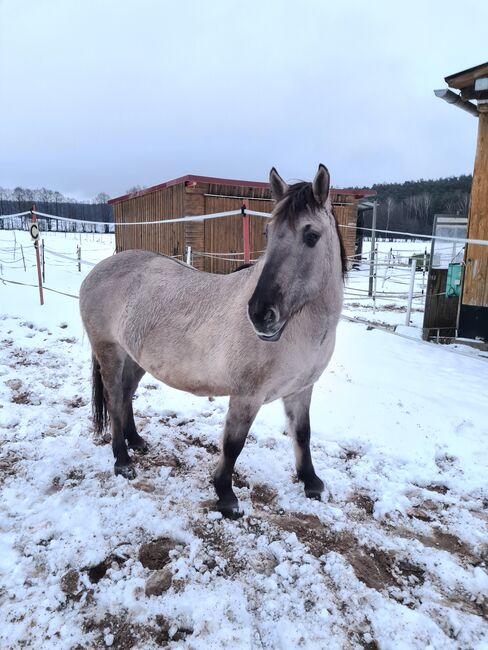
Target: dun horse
point(265, 333)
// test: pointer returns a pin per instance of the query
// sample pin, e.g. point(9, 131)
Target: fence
point(380, 280)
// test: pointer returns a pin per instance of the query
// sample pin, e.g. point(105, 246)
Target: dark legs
point(131, 377)
point(120, 376)
point(297, 412)
point(239, 418)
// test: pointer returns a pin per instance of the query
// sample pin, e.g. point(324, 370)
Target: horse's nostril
point(270, 316)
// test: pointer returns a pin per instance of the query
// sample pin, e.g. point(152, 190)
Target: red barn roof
point(190, 178)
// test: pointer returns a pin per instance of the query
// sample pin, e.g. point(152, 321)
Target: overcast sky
point(101, 95)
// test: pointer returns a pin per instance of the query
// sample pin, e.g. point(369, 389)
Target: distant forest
point(411, 206)
point(21, 199)
point(405, 207)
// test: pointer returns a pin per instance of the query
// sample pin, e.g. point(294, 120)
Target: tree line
point(53, 202)
point(404, 207)
point(412, 205)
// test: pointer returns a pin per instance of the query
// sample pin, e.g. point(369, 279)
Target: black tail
point(99, 405)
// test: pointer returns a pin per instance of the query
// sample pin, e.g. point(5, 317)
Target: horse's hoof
point(127, 471)
point(313, 494)
point(229, 510)
point(314, 487)
point(140, 447)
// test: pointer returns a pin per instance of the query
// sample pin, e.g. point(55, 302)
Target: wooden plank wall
point(475, 287)
point(346, 212)
point(224, 236)
point(217, 237)
point(165, 203)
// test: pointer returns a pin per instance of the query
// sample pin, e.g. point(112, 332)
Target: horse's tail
point(99, 405)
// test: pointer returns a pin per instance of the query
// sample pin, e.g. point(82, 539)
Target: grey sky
point(102, 95)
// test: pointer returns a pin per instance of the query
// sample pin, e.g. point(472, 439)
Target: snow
point(394, 557)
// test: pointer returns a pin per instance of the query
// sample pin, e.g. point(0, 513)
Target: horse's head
point(304, 253)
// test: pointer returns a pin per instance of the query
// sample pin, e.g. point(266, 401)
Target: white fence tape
point(201, 217)
point(217, 215)
point(12, 216)
point(66, 257)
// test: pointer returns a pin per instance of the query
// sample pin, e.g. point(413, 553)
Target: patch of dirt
point(211, 447)
point(125, 635)
point(156, 554)
point(363, 502)
point(70, 582)
point(443, 541)
point(376, 568)
point(239, 481)
point(98, 571)
point(312, 532)
point(21, 398)
point(70, 339)
point(350, 454)
point(8, 465)
point(262, 495)
point(437, 487)
point(77, 402)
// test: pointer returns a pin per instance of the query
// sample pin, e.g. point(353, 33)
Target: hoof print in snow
point(155, 555)
point(158, 582)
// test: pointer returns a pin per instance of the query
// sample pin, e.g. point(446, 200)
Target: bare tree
point(102, 197)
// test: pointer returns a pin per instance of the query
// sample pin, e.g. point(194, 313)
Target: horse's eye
point(310, 237)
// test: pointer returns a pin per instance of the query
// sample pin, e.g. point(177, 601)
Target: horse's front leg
point(297, 408)
point(240, 416)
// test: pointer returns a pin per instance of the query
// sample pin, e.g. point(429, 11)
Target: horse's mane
point(298, 198)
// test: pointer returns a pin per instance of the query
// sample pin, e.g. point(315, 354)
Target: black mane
point(298, 198)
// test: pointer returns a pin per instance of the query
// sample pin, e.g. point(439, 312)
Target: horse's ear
point(321, 184)
point(278, 185)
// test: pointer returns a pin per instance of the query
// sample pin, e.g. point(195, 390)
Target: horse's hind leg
point(111, 359)
point(239, 418)
point(297, 409)
point(132, 375)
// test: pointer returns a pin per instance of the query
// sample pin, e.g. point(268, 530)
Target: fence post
point(78, 252)
point(373, 244)
point(38, 261)
point(43, 263)
point(245, 233)
point(188, 255)
point(410, 290)
point(375, 274)
point(23, 258)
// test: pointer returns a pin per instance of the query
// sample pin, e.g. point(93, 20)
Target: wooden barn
point(216, 244)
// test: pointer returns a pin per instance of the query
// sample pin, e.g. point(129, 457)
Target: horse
point(264, 333)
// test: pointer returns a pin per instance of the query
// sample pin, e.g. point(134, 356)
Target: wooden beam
point(475, 289)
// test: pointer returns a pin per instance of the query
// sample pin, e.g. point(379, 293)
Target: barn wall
point(164, 203)
point(214, 237)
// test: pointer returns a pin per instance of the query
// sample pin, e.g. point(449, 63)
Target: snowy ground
point(394, 558)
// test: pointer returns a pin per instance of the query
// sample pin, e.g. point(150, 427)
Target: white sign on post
point(34, 231)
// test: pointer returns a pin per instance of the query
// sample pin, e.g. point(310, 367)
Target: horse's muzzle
point(265, 321)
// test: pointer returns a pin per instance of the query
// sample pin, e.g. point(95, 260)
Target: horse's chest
point(299, 370)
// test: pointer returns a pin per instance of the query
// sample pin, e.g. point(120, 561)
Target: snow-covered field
point(394, 558)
